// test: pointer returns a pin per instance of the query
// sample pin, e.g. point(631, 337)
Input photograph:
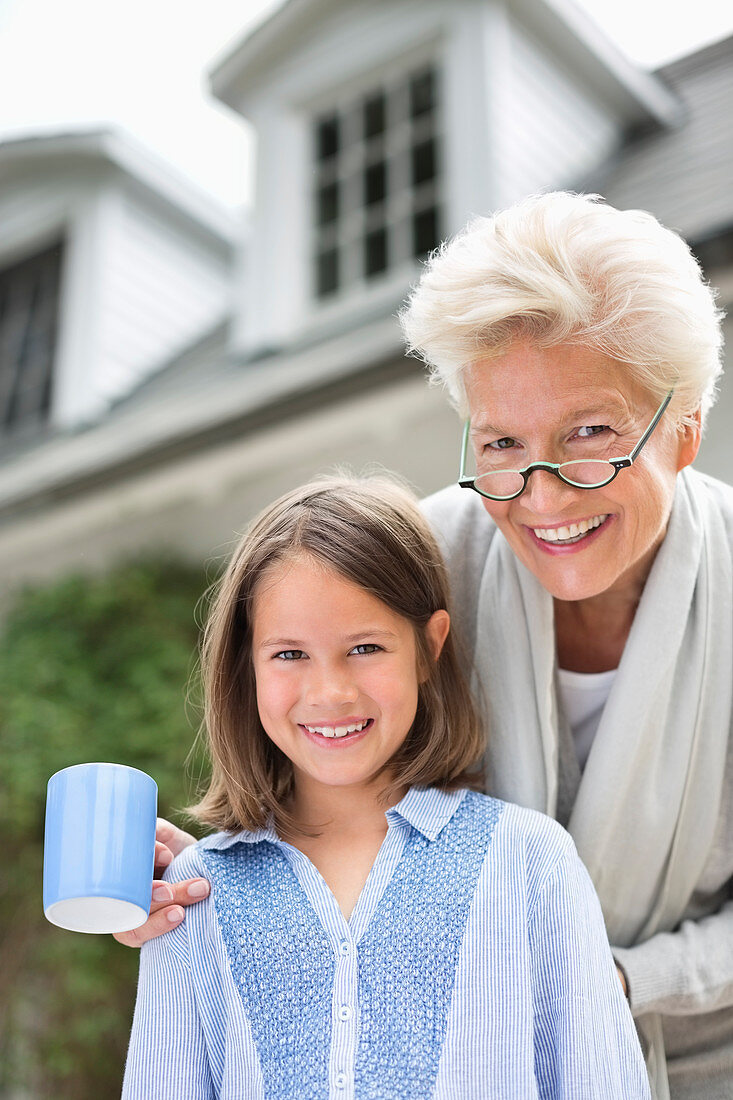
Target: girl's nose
point(330, 686)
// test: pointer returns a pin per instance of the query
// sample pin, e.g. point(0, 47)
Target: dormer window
point(29, 298)
point(376, 203)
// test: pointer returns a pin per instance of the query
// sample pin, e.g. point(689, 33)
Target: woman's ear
point(689, 441)
point(436, 631)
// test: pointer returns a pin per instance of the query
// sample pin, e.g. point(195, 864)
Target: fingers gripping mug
point(99, 848)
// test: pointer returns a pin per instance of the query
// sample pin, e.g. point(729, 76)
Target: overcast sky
point(142, 63)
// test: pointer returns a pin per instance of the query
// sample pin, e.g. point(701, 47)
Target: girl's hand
point(167, 897)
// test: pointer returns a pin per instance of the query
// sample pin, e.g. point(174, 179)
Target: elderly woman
point(593, 572)
point(592, 576)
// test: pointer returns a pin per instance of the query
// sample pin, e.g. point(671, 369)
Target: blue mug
point(99, 848)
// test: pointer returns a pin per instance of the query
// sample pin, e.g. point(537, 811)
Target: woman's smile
point(570, 535)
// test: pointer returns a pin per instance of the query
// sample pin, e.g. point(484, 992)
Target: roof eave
point(136, 162)
point(560, 23)
point(641, 94)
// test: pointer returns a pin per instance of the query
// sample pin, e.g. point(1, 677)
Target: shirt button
point(344, 947)
point(345, 1012)
point(340, 1080)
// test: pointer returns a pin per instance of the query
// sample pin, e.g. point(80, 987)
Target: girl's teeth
point(573, 531)
point(337, 731)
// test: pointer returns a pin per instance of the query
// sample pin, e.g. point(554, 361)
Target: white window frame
point(402, 133)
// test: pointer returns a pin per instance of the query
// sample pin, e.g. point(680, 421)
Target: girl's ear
point(436, 631)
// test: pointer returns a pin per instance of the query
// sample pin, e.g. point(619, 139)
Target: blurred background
point(209, 216)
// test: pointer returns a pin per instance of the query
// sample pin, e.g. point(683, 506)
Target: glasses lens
point(501, 484)
point(587, 474)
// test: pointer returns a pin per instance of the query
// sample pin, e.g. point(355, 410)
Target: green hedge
point(90, 669)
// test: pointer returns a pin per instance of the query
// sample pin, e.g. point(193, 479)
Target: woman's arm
point(685, 972)
point(167, 1057)
point(586, 1047)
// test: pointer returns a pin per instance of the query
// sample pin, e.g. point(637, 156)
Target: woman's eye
point(502, 444)
point(366, 647)
point(290, 655)
point(589, 430)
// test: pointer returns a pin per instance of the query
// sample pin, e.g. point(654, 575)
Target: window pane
point(327, 273)
point(374, 116)
point(425, 231)
point(423, 162)
point(377, 162)
point(327, 137)
point(422, 93)
point(328, 203)
point(375, 252)
point(29, 296)
point(375, 183)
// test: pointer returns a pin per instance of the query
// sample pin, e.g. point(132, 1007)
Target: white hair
point(564, 268)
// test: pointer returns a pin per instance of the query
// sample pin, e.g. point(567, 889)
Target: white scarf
point(646, 808)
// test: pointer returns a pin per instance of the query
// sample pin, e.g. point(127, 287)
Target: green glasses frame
point(555, 468)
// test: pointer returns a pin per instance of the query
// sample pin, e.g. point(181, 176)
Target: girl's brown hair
point(371, 532)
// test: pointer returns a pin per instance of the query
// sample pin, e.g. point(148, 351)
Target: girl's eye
point(502, 444)
point(589, 430)
point(366, 647)
point(290, 655)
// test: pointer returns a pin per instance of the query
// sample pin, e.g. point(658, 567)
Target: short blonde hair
point(371, 532)
point(565, 268)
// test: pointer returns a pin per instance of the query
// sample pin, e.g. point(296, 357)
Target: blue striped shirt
point(475, 965)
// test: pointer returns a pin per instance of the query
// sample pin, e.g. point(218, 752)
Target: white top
point(583, 696)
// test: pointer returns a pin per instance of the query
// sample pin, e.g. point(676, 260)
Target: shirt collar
point(222, 841)
point(426, 809)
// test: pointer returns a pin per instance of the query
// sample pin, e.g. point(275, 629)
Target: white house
point(109, 264)
point(381, 127)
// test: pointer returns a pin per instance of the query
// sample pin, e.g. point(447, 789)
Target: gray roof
point(683, 175)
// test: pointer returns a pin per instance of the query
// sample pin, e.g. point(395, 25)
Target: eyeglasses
point(583, 474)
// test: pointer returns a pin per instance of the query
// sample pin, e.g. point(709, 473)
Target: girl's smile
point(346, 727)
point(336, 673)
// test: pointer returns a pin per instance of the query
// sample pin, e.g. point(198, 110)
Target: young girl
point(375, 929)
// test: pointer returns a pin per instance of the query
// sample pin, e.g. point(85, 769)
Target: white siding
point(549, 130)
point(161, 288)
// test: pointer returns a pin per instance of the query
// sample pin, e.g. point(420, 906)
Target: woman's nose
point(330, 685)
point(546, 493)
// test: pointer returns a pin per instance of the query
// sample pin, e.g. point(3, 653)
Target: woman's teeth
point(337, 731)
point(572, 533)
